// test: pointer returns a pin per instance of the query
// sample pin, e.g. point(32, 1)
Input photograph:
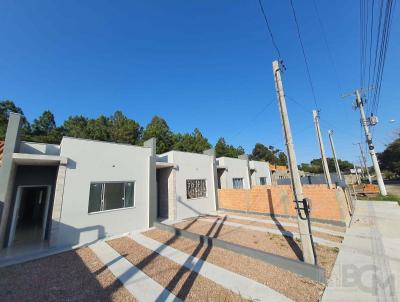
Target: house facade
point(186, 184)
point(74, 193)
point(240, 173)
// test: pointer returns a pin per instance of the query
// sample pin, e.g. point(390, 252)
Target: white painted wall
point(192, 166)
point(261, 170)
point(39, 148)
point(235, 168)
point(91, 161)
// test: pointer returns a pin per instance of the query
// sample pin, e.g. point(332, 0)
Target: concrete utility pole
point(368, 136)
point(355, 169)
point(364, 160)
point(302, 206)
point(322, 149)
point(339, 173)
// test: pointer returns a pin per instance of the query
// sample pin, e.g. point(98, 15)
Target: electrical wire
point(253, 119)
point(269, 29)
point(304, 54)
point(330, 54)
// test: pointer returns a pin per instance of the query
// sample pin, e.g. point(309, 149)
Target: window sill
point(112, 210)
point(197, 198)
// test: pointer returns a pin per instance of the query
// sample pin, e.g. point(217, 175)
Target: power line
point(382, 54)
point(304, 54)
point(330, 54)
point(269, 29)
point(325, 123)
point(253, 119)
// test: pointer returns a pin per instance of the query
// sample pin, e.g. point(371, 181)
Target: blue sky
point(204, 64)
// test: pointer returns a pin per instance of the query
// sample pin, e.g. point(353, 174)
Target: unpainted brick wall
point(278, 199)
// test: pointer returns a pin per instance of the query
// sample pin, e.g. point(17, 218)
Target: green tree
point(282, 159)
point(123, 129)
point(315, 166)
point(6, 107)
point(270, 154)
point(389, 159)
point(159, 129)
point(223, 149)
point(44, 129)
point(76, 126)
point(99, 128)
point(191, 142)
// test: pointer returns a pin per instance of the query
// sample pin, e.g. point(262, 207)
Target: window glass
point(95, 197)
point(110, 195)
point(113, 196)
point(196, 188)
point(263, 181)
point(129, 193)
point(237, 183)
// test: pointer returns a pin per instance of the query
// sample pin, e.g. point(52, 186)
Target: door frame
point(16, 210)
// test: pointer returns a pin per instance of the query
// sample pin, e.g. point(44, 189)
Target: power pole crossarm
point(302, 209)
point(322, 149)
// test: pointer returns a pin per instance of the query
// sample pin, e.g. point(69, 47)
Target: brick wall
point(278, 199)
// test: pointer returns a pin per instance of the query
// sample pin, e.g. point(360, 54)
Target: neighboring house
point(279, 172)
point(233, 173)
point(240, 173)
point(186, 184)
point(260, 174)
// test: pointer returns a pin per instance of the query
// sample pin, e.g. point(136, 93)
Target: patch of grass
point(379, 197)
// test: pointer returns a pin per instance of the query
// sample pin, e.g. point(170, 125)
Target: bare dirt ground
point(275, 244)
point(184, 283)
point(282, 281)
point(292, 220)
point(71, 276)
point(277, 226)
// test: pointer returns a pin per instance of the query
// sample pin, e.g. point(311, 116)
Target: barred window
point(196, 188)
point(105, 196)
point(237, 183)
point(263, 181)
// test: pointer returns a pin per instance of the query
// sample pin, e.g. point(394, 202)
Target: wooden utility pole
point(322, 149)
point(301, 203)
point(368, 137)
point(364, 161)
point(339, 173)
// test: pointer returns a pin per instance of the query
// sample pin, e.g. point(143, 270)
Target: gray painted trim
point(152, 181)
point(312, 272)
point(211, 152)
point(7, 171)
point(327, 221)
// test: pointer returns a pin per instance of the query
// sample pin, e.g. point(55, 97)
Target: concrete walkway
point(368, 264)
point(141, 286)
point(236, 283)
point(321, 241)
point(284, 223)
